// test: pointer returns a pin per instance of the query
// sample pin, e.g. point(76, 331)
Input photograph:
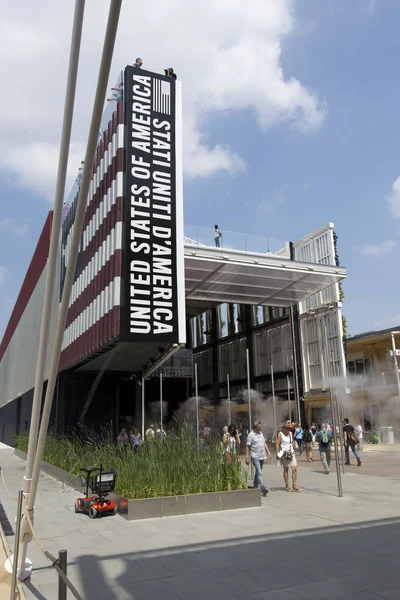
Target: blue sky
point(279, 176)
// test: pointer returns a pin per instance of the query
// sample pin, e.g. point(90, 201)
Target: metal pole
point(196, 387)
point(16, 546)
point(143, 411)
point(339, 413)
point(396, 366)
point(295, 373)
point(229, 398)
point(273, 400)
point(288, 397)
point(248, 387)
point(161, 403)
point(62, 563)
point(53, 256)
point(102, 83)
point(335, 437)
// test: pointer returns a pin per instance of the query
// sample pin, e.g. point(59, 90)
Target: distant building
point(373, 382)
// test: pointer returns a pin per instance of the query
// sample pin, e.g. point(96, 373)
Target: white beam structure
point(216, 275)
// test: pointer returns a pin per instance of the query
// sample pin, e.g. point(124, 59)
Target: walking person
point(231, 443)
point(314, 432)
point(307, 443)
point(350, 441)
point(134, 438)
point(298, 436)
point(324, 439)
point(150, 433)
point(217, 235)
point(285, 454)
point(257, 450)
point(122, 439)
point(360, 435)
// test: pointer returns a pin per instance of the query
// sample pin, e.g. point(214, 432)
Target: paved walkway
point(306, 545)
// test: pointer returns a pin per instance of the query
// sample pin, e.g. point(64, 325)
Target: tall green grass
point(172, 467)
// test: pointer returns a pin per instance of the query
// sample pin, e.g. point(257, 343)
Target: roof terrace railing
point(233, 240)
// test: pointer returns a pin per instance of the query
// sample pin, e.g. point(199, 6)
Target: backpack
point(307, 437)
point(352, 437)
point(325, 437)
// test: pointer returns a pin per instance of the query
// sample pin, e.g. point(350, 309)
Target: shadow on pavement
point(354, 561)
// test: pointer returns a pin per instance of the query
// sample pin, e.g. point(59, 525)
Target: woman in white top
point(217, 235)
point(231, 442)
point(285, 453)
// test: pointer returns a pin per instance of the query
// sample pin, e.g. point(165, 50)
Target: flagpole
point(104, 73)
point(26, 565)
point(229, 399)
point(196, 387)
point(161, 402)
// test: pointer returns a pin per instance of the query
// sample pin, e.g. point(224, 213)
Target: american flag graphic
point(162, 96)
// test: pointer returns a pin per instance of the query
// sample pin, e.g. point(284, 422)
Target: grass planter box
point(166, 506)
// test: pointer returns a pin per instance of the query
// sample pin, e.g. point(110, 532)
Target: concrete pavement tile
point(32, 592)
point(152, 590)
point(174, 565)
point(333, 587)
point(366, 595)
point(389, 594)
point(195, 587)
point(280, 594)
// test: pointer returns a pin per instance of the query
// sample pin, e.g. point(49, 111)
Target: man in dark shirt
point(348, 431)
point(138, 63)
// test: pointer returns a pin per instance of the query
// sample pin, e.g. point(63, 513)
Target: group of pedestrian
point(131, 440)
point(257, 450)
point(351, 439)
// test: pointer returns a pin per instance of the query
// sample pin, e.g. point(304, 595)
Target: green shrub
point(172, 467)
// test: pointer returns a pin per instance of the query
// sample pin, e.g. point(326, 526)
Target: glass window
point(258, 315)
point(207, 331)
point(351, 367)
point(193, 329)
point(223, 320)
point(359, 366)
point(367, 365)
point(241, 317)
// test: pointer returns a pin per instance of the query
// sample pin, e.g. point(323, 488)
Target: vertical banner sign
point(152, 267)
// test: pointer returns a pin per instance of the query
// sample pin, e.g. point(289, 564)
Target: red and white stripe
point(93, 316)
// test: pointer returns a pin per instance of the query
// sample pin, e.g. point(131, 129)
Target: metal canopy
point(214, 276)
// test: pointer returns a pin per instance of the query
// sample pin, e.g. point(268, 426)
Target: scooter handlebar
point(90, 469)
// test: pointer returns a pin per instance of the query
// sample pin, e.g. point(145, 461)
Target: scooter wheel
point(92, 512)
point(76, 507)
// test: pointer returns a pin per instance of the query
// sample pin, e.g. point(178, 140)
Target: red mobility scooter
point(101, 483)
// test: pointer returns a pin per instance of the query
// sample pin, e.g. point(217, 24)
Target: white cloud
point(3, 274)
point(18, 229)
point(393, 200)
point(227, 53)
point(380, 249)
point(271, 205)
